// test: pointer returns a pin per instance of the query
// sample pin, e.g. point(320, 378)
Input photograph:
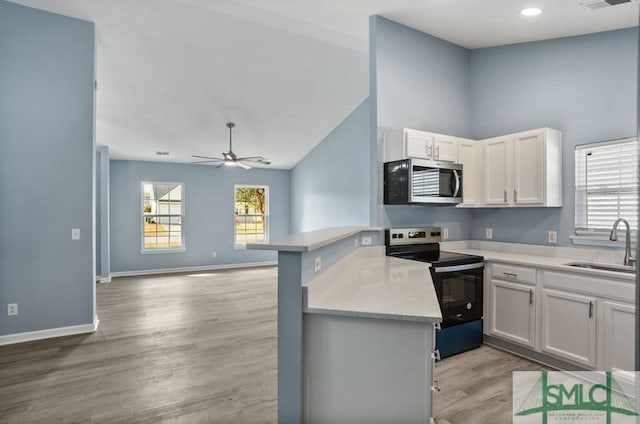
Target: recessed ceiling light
point(531, 11)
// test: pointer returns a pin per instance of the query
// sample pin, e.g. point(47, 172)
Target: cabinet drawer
point(513, 273)
point(592, 285)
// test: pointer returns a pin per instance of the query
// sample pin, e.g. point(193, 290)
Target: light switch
point(75, 234)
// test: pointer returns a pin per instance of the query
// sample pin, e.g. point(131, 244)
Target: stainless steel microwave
point(422, 181)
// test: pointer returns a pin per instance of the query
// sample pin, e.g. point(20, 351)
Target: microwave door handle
point(457, 177)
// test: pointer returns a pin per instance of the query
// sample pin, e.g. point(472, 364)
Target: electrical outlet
point(366, 241)
point(12, 309)
point(356, 241)
point(552, 237)
point(488, 233)
point(317, 263)
point(75, 234)
point(445, 233)
point(214, 254)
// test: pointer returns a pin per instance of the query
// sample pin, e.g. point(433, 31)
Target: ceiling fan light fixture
point(229, 163)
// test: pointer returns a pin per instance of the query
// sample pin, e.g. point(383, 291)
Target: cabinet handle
point(436, 355)
point(437, 326)
point(510, 274)
point(430, 152)
point(590, 309)
point(530, 297)
point(505, 196)
point(515, 195)
point(437, 152)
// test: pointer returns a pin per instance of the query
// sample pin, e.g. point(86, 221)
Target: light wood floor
point(476, 386)
point(186, 349)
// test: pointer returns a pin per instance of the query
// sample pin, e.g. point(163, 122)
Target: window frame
point(156, 250)
point(600, 237)
point(266, 215)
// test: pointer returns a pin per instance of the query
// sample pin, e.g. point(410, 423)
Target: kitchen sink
point(604, 267)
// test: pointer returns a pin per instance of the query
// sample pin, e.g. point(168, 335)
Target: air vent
point(602, 4)
point(162, 153)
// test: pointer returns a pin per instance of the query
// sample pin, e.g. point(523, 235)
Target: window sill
point(156, 251)
point(601, 241)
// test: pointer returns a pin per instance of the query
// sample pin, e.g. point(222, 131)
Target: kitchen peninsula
point(355, 329)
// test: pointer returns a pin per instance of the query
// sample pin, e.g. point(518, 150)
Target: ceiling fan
point(229, 158)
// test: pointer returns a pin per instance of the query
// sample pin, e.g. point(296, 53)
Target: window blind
point(606, 185)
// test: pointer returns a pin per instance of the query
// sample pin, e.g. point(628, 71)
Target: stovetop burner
point(421, 244)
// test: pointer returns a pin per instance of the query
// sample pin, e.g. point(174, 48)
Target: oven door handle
point(455, 268)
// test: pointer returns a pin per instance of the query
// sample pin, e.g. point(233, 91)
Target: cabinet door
point(513, 312)
point(445, 147)
point(529, 175)
point(418, 144)
point(619, 327)
point(569, 326)
point(468, 157)
point(495, 171)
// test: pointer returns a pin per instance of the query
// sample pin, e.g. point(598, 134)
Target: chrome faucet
point(628, 260)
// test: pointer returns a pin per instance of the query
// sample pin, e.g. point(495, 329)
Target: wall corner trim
point(190, 269)
point(50, 333)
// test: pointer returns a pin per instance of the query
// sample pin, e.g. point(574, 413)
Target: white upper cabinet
point(523, 169)
point(417, 144)
point(445, 147)
point(469, 157)
point(408, 143)
point(528, 168)
point(496, 171)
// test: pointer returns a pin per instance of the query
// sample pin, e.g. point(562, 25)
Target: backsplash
point(594, 255)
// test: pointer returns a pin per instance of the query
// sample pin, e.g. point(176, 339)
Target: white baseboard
point(104, 279)
point(191, 269)
point(50, 333)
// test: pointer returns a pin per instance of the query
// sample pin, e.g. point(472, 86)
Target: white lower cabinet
point(581, 319)
point(619, 328)
point(569, 326)
point(513, 312)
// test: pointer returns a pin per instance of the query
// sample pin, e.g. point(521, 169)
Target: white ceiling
point(172, 72)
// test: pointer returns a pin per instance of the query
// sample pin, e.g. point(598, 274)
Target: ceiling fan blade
point(243, 165)
point(200, 162)
point(254, 158)
point(204, 157)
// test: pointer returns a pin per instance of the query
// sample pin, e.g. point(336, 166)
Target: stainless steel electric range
point(458, 281)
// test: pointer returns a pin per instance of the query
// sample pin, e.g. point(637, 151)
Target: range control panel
point(401, 236)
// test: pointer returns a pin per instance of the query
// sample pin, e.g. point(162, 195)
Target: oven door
point(460, 292)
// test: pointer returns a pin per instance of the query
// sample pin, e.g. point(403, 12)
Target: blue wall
point(208, 209)
point(331, 185)
point(420, 82)
point(103, 258)
point(46, 169)
point(584, 86)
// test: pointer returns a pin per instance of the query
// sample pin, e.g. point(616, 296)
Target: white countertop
point(311, 240)
point(369, 284)
point(551, 262)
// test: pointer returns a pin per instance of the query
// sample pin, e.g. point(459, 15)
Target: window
point(162, 216)
point(251, 214)
point(606, 187)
